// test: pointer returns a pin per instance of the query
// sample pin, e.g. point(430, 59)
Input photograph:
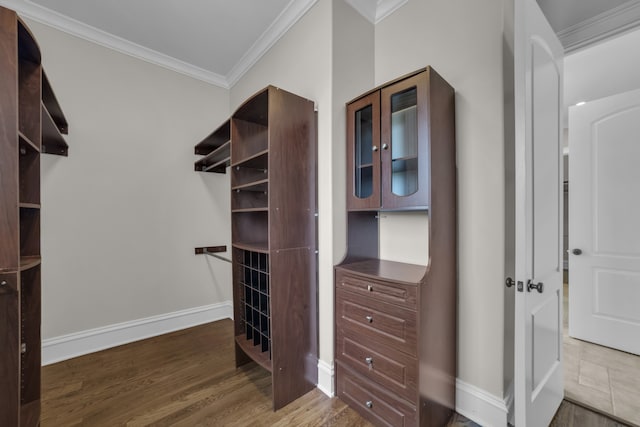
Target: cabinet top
point(389, 83)
point(389, 270)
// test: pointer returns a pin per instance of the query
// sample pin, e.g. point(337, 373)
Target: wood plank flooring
point(188, 378)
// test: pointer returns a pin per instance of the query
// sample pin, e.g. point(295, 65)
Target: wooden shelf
point(262, 247)
point(217, 160)
point(27, 143)
point(214, 140)
point(260, 209)
point(52, 106)
point(28, 262)
point(29, 205)
point(258, 160)
point(257, 186)
point(254, 352)
point(52, 140)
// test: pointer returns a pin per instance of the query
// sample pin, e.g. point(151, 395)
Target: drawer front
point(393, 370)
point(395, 293)
point(373, 403)
point(379, 322)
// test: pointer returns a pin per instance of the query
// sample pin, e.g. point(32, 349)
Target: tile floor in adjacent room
point(602, 378)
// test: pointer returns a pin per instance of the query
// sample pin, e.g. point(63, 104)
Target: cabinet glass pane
point(404, 143)
point(364, 152)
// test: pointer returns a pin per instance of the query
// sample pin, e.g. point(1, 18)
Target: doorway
point(595, 376)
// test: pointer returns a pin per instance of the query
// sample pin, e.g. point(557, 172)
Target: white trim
point(287, 18)
point(77, 344)
point(79, 29)
point(481, 407)
point(607, 24)
point(375, 12)
point(387, 7)
point(326, 375)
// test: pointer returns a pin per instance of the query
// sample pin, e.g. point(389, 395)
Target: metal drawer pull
point(369, 360)
point(369, 404)
point(370, 288)
point(3, 283)
point(369, 319)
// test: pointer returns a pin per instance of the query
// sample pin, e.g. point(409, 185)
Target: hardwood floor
point(188, 378)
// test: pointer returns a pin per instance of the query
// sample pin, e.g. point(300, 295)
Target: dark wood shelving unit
point(52, 140)
point(51, 104)
point(216, 149)
point(273, 145)
point(27, 262)
point(395, 347)
point(25, 128)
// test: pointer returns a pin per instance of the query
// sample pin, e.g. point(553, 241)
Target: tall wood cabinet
point(31, 123)
point(395, 346)
point(273, 205)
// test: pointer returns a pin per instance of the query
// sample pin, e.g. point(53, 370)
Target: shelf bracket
point(213, 251)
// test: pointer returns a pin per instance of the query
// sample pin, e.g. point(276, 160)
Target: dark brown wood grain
point(354, 202)
point(52, 105)
point(419, 199)
point(377, 322)
point(394, 370)
point(10, 354)
point(373, 402)
point(52, 140)
point(438, 293)
point(29, 96)
point(9, 248)
point(215, 139)
point(273, 203)
point(30, 319)
point(387, 288)
point(29, 168)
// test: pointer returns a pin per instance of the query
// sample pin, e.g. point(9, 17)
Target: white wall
point(122, 214)
point(604, 69)
point(462, 40)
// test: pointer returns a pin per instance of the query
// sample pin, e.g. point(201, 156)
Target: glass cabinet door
point(363, 124)
point(404, 144)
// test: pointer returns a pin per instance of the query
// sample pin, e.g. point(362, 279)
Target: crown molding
point(607, 24)
point(287, 18)
point(76, 28)
point(376, 11)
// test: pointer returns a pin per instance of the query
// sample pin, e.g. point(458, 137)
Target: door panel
point(538, 377)
point(604, 207)
point(363, 153)
point(405, 143)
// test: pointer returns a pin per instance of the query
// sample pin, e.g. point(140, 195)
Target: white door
point(538, 377)
point(604, 222)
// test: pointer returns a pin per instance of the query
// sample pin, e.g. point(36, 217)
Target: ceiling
point(219, 40)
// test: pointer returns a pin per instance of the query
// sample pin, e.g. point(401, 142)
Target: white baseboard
point(80, 343)
point(325, 377)
point(481, 407)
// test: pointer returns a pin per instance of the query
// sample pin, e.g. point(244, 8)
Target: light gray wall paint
point(463, 41)
point(122, 214)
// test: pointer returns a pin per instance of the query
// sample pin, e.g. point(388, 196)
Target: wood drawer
point(381, 290)
point(376, 321)
point(372, 402)
point(393, 370)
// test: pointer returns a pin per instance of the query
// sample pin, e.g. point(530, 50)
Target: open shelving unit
point(216, 149)
point(31, 123)
point(273, 145)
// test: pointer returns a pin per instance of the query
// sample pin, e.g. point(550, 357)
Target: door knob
point(538, 286)
point(509, 282)
point(385, 146)
point(375, 148)
point(577, 251)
